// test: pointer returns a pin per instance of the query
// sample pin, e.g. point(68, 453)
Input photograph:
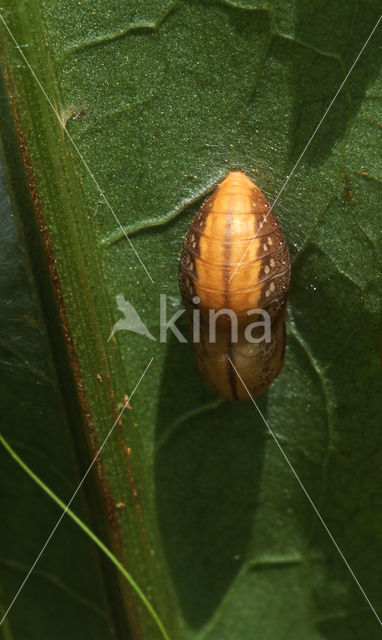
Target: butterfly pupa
point(235, 264)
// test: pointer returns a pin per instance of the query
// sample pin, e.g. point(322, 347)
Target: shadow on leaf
point(320, 65)
point(208, 473)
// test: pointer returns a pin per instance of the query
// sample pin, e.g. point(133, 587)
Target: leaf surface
point(162, 99)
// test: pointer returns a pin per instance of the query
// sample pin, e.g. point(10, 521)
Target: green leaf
point(82, 525)
point(161, 100)
point(64, 593)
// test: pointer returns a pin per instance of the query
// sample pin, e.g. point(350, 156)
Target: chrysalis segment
point(235, 258)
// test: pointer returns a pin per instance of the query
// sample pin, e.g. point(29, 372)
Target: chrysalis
point(234, 277)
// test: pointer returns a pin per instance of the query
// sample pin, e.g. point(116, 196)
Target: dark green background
point(163, 99)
